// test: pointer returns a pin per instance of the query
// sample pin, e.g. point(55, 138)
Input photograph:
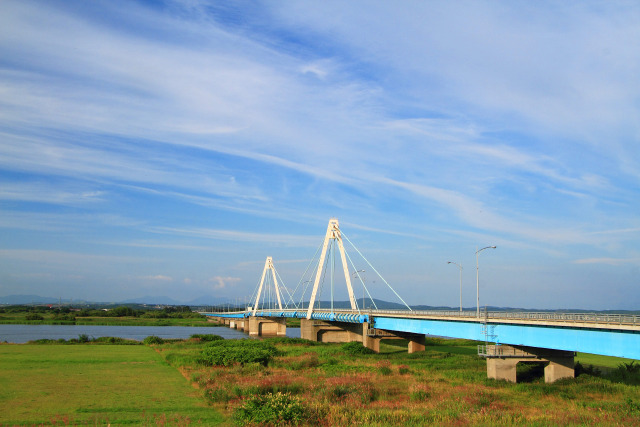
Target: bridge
point(509, 337)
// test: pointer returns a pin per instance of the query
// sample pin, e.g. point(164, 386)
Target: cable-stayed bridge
point(509, 337)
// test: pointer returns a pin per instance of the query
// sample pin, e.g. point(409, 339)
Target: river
point(24, 333)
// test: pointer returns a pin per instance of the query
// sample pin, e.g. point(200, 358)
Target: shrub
point(122, 311)
point(83, 338)
point(273, 409)
point(33, 316)
point(231, 352)
point(361, 392)
point(215, 395)
point(627, 373)
point(588, 370)
point(115, 340)
point(64, 317)
point(420, 395)
point(289, 340)
point(403, 369)
point(355, 348)
point(385, 370)
point(207, 337)
point(44, 341)
point(152, 339)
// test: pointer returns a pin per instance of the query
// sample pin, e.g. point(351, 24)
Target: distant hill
point(29, 299)
point(155, 300)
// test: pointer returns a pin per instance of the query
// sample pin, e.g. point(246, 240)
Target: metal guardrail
point(592, 318)
point(600, 318)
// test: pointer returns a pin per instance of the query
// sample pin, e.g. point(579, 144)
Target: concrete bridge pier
point(372, 337)
point(325, 331)
point(502, 361)
point(321, 331)
point(214, 319)
point(264, 326)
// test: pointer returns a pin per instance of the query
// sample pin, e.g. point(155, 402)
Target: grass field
point(316, 384)
point(95, 385)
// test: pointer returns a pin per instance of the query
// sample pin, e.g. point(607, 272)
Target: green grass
point(444, 385)
point(601, 361)
point(97, 385)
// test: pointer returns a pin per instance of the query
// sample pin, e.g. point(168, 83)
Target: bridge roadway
point(521, 336)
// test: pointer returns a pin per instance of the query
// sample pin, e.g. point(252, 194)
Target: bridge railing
point(593, 318)
point(599, 318)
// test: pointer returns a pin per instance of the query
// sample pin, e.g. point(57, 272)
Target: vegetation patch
point(206, 337)
point(231, 352)
point(274, 409)
point(152, 339)
point(355, 348)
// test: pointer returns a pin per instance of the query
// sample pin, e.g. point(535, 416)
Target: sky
point(167, 147)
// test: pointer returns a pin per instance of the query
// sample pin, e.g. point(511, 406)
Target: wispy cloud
point(240, 236)
point(608, 261)
point(159, 278)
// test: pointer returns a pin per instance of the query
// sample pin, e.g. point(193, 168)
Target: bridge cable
point(379, 275)
point(255, 293)
point(303, 276)
point(286, 289)
point(361, 281)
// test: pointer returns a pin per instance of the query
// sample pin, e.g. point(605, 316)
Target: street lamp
point(460, 267)
point(478, 279)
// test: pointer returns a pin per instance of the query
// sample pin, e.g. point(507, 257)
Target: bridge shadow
point(529, 372)
point(624, 373)
point(393, 346)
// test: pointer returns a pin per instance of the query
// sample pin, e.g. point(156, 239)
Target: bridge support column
point(264, 326)
point(371, 341)
point(417, 343)
point(240, 324)
point(321, 331)
point(502, 362)
point(214, 319)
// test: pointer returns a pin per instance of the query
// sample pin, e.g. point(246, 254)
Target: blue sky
point(169, 147)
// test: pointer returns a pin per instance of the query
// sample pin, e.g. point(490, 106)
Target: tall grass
point(444, 385)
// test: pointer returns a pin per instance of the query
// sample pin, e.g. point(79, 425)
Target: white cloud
point(159, 278)
point(220, 282)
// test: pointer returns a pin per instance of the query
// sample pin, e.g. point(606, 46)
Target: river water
point(24, 333)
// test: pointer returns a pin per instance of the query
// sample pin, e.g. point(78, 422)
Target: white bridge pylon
point(268, 265)
point(333, 233)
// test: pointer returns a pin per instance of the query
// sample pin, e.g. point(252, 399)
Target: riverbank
point(26, 333)
point(109, 321)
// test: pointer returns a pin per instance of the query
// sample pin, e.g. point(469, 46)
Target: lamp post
point(478, 279)
point(460, 267)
